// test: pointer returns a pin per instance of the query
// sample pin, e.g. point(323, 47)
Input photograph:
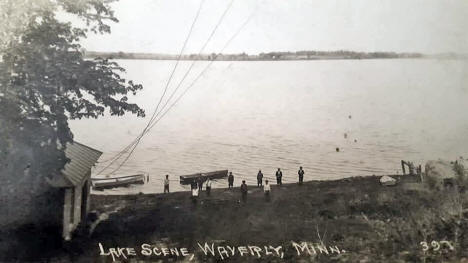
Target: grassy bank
point(365, 221)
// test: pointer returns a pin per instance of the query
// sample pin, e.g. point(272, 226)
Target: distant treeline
point(299, 55)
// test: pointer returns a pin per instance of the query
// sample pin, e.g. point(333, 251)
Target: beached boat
point(187, 179)
point(112, 182)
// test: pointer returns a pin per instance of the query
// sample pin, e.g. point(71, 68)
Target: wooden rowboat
point(112, 182)
point(187, 179)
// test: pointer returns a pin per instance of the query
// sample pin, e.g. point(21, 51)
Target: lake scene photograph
point(239, 131)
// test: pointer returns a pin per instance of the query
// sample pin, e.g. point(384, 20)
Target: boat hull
point(106, 183)
point(188, 179)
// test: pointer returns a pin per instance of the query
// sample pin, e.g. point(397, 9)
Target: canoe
point(112, 182)
point(187, 179)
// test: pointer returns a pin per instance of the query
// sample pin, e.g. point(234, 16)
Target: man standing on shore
point(166, 184)
point(259, 178)
point(193, 185)
point(279, 176)
point(194, 191)
point(266, 190)
point(243, 189)
point(230, 180)
point(301, 175)
point(200, 183)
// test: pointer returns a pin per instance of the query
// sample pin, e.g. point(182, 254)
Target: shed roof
point(82, 158)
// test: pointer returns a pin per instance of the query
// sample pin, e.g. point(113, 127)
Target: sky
point(161, 26)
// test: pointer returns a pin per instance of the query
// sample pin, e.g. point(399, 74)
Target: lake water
point(246, 116)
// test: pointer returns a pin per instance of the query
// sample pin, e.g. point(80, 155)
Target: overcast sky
point(160, 26)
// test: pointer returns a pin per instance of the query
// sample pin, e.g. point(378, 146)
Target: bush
point(431, 182)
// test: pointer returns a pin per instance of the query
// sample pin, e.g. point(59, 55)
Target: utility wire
point(167, 83)
point(175, 66)
point(204, 70)
point(192, 83)
point(145, 130)
point(196, 79)
point(153, 121)
point(199, 53)
point(165, 88)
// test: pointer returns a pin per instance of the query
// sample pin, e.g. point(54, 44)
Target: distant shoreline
point(271, 56)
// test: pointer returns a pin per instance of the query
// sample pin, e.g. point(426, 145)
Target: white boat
point(112, 182)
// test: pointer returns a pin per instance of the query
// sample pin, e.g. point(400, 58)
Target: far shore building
point(75, 185)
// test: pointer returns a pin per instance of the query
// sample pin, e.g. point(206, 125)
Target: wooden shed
point(75, 184)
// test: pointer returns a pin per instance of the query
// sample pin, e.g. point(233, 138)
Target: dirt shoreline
point(355, 219)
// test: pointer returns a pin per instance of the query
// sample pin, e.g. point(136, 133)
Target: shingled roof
point(82, 158)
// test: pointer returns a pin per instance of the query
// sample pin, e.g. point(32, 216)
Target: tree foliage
point(45, 82)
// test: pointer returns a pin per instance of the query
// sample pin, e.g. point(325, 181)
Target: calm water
point(246, 116)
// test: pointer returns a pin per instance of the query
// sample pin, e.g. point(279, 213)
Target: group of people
point(197, 185)
point(266, 187)
point(278, 175)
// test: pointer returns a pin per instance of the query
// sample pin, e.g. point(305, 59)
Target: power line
point(145, 130)
point(177, 63)
point(153, 121)
point(204, 70)
point(165, 88)
point(199, 53)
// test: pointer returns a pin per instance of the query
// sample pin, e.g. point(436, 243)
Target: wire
point(165, 88)
point(191, 85)
point(167, 83)
point(156, 120)
point(199, 53)
point(152, 122)
point(137, 139)
point(177, 63)
point(204, 70)
point(220, 20)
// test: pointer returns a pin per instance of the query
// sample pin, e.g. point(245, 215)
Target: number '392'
point(436, 245)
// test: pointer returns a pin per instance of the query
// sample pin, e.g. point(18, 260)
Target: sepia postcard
point(233, 131)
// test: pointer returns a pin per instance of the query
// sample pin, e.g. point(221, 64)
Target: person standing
point(166, 184)
point(194, 191)
point(193, 185)
point(200, 183)
point(301, 175)
point(243, 189)
point(208, 187)
point(266, 190)
point(259, 178)
point(279, 176)
point(230, 180)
